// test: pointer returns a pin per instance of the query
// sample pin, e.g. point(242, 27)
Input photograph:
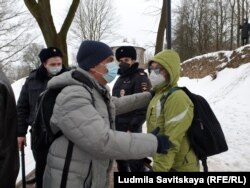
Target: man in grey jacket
point(86, 117)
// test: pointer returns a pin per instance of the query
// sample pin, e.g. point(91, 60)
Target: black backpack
point(205, 133)
point(41, 135)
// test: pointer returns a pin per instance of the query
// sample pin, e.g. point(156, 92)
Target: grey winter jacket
point(91, 129)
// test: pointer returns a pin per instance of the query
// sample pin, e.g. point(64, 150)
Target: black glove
point(152, 92)
point(163, 141)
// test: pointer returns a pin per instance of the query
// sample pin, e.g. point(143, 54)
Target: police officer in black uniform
point(36, 83)
point(132, 80)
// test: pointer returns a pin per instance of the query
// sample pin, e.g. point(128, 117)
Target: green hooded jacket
point(174, 119)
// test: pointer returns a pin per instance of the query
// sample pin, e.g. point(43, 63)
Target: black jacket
point(9, 158)
point(134, 80)
point(245, 28)
point(34, 85)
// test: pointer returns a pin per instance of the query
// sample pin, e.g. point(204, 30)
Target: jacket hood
point(170, 60)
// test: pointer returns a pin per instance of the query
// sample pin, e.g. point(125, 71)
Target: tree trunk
point(232, 24)
point(161, 28)
point(41, 11)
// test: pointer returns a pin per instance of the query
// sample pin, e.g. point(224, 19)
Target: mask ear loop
point(105, 75)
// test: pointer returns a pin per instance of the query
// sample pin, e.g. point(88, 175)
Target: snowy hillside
point(228, 96)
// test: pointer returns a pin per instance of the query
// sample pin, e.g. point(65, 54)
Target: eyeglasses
point(157, 70)
point(125, 60)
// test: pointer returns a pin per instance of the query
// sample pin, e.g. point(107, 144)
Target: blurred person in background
point(9, 158)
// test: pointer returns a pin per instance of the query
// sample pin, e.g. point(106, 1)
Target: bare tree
point(243, 9)
point(238, 22)
point(13, 31)
point(185, 32)
point(94, 20)
point(16, 72)
point(232, 6)
point(30, 56)
point(204, 26)
point(161, 28)
point(41, 11)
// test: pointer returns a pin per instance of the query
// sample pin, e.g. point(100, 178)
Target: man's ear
point(92, 70)
point(45, 64)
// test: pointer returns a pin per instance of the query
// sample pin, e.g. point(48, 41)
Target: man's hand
point(21, 141)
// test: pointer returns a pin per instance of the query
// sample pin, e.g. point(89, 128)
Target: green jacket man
point(174, 117)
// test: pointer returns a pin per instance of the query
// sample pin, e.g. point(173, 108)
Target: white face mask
point(156, 79)
point(54, 70)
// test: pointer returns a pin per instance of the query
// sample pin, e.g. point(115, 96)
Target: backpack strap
point(165, 96)
point(82, 78)
point(204, 164)
point(67, 164)
point(88, 86)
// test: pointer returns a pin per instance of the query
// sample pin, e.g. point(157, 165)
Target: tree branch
point(69, 18)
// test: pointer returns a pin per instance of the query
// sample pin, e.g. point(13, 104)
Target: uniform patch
point(144, 86)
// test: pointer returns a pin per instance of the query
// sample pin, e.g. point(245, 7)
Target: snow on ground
point(228, 97)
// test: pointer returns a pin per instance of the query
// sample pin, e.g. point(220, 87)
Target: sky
point(137, 19)
point(137, 22)
point(228, 96)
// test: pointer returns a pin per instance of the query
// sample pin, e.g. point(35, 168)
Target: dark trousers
point(41, 159)
point(130, 165)
point(244, 41)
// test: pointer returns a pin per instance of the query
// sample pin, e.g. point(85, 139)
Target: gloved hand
point(163, 141)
